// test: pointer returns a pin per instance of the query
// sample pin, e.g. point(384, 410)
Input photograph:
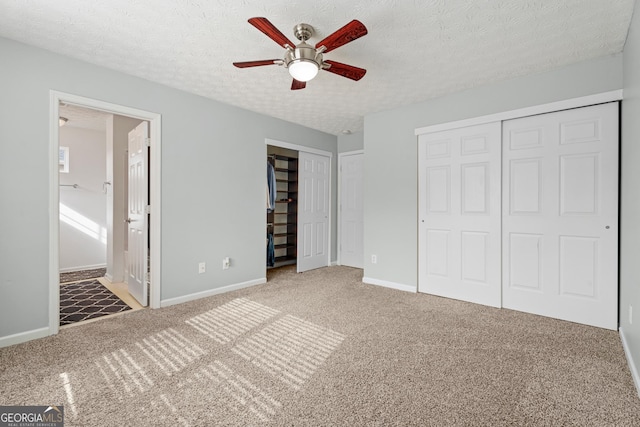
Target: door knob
point(128, 220)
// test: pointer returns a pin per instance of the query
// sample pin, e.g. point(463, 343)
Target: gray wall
point(83, 219)
point(630, 194)
point(351, 142)
point(213, 175)
point(390, 199)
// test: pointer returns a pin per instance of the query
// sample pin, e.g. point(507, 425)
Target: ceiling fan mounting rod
point(303, 32)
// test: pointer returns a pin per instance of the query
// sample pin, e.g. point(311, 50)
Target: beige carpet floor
point(322, 349)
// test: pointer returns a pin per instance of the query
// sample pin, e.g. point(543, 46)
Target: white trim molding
point(82, 267)
point(392, 285)
point(630, 362)
point(583, 101)
point(24, 337)
point(211, 292)
point(297, 147)
point(155, 122)
point(350, 153)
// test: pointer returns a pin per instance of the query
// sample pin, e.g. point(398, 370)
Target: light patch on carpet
point(227, 322)
point(226, 391)
point(71, 401)
point(243, 394)
point(290, 349)
point(119, 367)
point(172, 408)
point(170, 350)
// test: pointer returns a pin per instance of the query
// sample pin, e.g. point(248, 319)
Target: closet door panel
point(459, 203)
point(313, 214)
point(560, 219)
point(351, 171)
point(526, 186)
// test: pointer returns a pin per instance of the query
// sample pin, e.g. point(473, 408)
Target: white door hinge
point(147, 142)
point(147, 277)
point(147, 209)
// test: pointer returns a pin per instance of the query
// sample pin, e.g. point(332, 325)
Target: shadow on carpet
point(87, 300)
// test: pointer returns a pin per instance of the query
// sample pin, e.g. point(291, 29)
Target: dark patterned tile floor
point(87, 300)
point(74, 276)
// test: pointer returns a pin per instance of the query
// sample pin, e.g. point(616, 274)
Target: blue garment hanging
point(271, 252)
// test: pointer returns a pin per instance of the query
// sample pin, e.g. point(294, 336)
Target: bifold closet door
point(560, 215)
point(459, 214)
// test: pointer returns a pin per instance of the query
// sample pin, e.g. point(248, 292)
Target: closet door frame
point(584, 101)
point(302, 148)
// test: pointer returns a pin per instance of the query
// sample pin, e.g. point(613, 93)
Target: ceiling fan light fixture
point(62, 121)
point(303, 70)
point(303, 60)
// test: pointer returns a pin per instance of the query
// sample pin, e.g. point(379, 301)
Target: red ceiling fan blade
point(295, 85)
point(344, 70)
point(353, 30)
point(248, 64)
point(264, 25)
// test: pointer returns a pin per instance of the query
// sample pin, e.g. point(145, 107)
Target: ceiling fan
point(303, 60)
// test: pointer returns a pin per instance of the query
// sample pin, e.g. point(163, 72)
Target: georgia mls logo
point(31, 416)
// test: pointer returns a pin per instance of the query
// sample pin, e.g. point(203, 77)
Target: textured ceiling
point(415, 50)
point(85, 118)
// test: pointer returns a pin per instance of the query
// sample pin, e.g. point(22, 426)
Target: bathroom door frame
point(155, 123)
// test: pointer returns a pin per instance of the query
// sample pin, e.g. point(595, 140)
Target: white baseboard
point(630, 362)
point(24, 337)
point(82, 267)
point(333, 264)
point(210, 292)
point(392, 285)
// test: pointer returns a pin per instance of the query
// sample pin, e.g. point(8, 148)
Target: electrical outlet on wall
point(374, 259)
point(202, 267)
point(226, 263)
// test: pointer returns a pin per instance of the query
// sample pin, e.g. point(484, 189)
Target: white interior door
point(137, 220)
point(313, 211)
point(459, 214)
point(560, 215)
point(351, 210)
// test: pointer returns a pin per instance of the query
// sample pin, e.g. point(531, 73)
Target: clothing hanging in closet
point(271, 187)
point(271, 252)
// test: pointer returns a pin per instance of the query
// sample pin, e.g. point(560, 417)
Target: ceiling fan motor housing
point(303, 52)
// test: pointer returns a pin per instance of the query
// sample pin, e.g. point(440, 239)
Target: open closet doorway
point(298, 206)
point(282, 206)
point(106, 182)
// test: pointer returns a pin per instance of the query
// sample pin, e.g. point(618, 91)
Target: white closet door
point(313, 211)
point(351, 210)
point(560, 215)
point(459, 214)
